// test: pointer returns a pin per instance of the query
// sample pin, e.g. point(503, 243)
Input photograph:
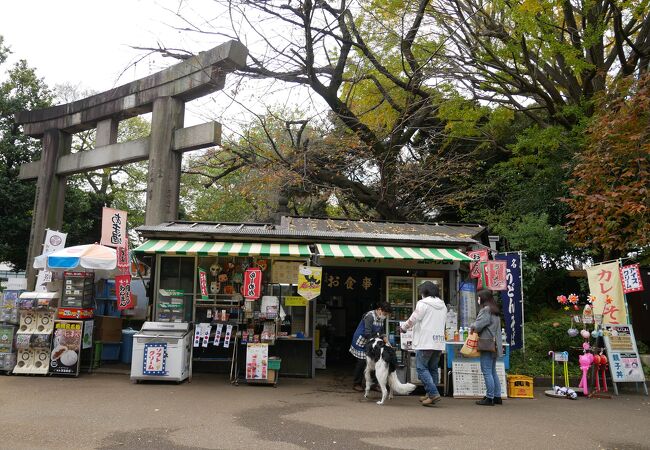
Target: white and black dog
point(381, 358)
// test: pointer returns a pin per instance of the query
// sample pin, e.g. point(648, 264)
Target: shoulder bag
point(488, 344)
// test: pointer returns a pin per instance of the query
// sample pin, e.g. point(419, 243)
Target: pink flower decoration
point(573, 299)
point(562, 299)
point(591, 298)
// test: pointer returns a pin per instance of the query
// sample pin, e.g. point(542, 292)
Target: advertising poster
point(155, 359)
point(113, 227)
point(605, 285)
point(467, 304)
point(309, 281)
point(624, 361)
point(87, 341)
point(66, 347)
point(495, 275)
point(257, 361)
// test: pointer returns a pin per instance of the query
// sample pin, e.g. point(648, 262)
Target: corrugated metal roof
point(288, 231)
point(471, 231)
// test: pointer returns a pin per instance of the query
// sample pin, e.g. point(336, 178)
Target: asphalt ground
point(102, 411)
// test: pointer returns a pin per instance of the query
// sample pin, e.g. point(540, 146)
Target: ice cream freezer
point(162, 351)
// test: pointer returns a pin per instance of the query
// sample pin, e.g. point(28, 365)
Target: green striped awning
point(391, 252)
point(211, 248)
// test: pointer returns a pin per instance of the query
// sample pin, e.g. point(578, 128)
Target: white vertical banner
point(54, 240)
point(113, 227)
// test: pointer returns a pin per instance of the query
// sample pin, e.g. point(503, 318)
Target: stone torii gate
point(164, 94)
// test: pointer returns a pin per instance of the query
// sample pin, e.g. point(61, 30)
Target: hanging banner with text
point(54, 240)
point(113, 227)
point(203, 284)
point(631, 278)
point(474, 267)
point(605, 285)
point(122, 257)
point(123, 292)
point(252, 287)
point(494, 275)
point(309, 281)
point(511, 298)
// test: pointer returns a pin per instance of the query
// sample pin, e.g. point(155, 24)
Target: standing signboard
point(624, 361)
point(65, 358)
point(257, 361)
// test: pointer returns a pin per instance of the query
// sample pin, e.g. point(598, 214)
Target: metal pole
point(521, 287)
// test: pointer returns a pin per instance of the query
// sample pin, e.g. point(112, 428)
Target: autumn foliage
point(609, 188)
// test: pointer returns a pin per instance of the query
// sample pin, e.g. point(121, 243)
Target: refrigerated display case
point(402, 294)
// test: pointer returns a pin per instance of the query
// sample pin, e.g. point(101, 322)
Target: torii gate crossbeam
point(164, 94)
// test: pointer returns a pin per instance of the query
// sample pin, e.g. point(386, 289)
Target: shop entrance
point(346, 295)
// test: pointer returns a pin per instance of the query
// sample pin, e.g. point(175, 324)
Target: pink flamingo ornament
point(585, 362)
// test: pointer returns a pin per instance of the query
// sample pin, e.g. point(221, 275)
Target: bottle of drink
point(456, 336)
point(462, 334)
point(503, 335)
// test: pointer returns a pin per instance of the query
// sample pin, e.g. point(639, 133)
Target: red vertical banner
point(123, 258)
point(252, 287)
point(203, 284)
point(474, 267)
point(123, 292)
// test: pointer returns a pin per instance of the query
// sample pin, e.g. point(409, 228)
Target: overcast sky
point(90, 42)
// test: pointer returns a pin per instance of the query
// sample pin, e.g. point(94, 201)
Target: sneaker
point(423, 398)
point(358, 388)
point(497, 401)
point(485, 401)
point(430, 401)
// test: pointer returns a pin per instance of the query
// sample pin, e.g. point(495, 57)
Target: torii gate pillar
point(164, 179)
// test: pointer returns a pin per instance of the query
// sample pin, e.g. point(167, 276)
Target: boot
point(497, 401)
point(485, 401)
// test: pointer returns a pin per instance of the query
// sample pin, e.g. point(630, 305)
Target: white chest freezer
point(162, 351)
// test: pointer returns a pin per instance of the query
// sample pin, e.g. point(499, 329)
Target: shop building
point(363, 263)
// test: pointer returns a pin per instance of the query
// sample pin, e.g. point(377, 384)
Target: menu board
point(66, 347)
point(624, 361)
point(468, 379)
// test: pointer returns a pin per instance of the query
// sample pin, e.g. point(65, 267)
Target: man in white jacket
point(428, 323)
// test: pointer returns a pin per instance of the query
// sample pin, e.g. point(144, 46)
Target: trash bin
point(127, 345)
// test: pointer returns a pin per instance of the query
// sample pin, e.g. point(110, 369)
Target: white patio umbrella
point(92, 256)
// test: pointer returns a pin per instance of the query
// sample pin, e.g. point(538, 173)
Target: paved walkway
point(108, 412)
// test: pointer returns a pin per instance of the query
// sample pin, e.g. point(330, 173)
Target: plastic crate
point(520, 386)
point(274, 363)
point(111, 351)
